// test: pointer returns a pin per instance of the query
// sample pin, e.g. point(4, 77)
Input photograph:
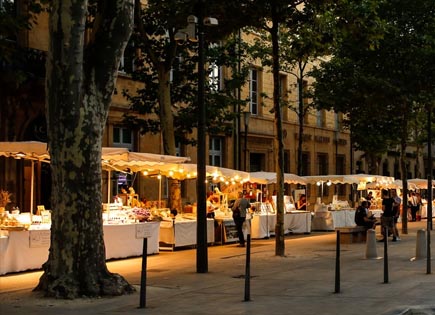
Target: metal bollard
point(143, 277)
point(337, 264)
point(386, 255)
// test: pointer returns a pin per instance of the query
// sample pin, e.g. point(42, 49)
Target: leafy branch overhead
point(168, 71)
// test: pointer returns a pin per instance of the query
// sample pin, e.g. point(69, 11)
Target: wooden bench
point(352, 234)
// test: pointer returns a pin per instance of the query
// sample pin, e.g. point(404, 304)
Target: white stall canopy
point(182, 171)
point(360, 179)
point(29, 150)
point(265, 178)
point(419, 183)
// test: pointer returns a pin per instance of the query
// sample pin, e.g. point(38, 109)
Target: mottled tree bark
point(79, 85)
point(279, 143)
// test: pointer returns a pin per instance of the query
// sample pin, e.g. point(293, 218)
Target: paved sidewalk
point(301, 283)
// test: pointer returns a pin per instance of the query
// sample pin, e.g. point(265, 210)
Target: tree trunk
point(279, 143)
point(168, 135)
point(79, 88)
point(301, 114)
point(404, 170)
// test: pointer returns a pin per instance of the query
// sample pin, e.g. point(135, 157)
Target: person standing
point(413, 204)
point(396, 210)
point(369, 199)
point(387, 219)
point(302, 202)
point(240, 209)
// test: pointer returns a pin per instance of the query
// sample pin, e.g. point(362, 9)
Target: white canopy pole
point(31, 189)
point(108, 186)
point(160, 191)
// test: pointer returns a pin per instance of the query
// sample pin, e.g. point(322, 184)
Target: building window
point(178, 148)
point(286, 162)
point(253, 91)
point(123, 138)
point(215, 78)
point(257, 162)
point(283, 91)
point(385, 168)
point(338, 121)
point(341, 167)
point(306, 164)
point(322, 169)
point(215, 153)
point(322, 164)
point(127, 62)
point(321, 118)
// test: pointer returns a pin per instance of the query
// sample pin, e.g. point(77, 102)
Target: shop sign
point(144, 230)
point(39, 238)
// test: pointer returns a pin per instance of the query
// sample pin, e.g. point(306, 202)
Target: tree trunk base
point(67, 287)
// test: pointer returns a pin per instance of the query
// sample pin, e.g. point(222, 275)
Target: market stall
point(329, 220)
point(22, 250)
point(264, 217)
point(339, 213)
point(181, 232)
point(263, 225)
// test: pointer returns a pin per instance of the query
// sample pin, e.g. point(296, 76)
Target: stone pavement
point(302, 282)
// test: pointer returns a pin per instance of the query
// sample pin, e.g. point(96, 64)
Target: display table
point(182, 232)
point(331, 219)
point(423, 211)
point(263, 225)
point(25, 250)
point(376, 212)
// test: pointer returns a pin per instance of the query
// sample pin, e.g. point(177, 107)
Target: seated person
point(362, 217)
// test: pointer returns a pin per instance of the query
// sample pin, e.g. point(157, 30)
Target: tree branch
point(111, 32)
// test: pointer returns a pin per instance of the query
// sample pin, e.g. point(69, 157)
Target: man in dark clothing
point(362, 217)
point(240, 209)
point(387, 219)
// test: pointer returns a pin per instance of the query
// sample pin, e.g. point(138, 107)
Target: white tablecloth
point(25, 250)
point(183, 232)
point(329, 220)
point(263, 225)
point(423, 211)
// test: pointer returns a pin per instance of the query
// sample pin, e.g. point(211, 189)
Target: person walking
point(396, 210)
point(240, 209)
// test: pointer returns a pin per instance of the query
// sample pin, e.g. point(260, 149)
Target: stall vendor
point(118, 201)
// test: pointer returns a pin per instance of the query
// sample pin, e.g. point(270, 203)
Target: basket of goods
point(142, 214)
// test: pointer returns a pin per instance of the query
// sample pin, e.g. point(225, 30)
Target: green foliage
point(160, 52)
point(380, 70)
point(12, 56)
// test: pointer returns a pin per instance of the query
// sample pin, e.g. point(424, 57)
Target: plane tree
point(80, 80)
point(383, 82)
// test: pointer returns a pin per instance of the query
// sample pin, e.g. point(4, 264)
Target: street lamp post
point(193, 31)
point(429, 189)
point(246, 116)
point(201, 233)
